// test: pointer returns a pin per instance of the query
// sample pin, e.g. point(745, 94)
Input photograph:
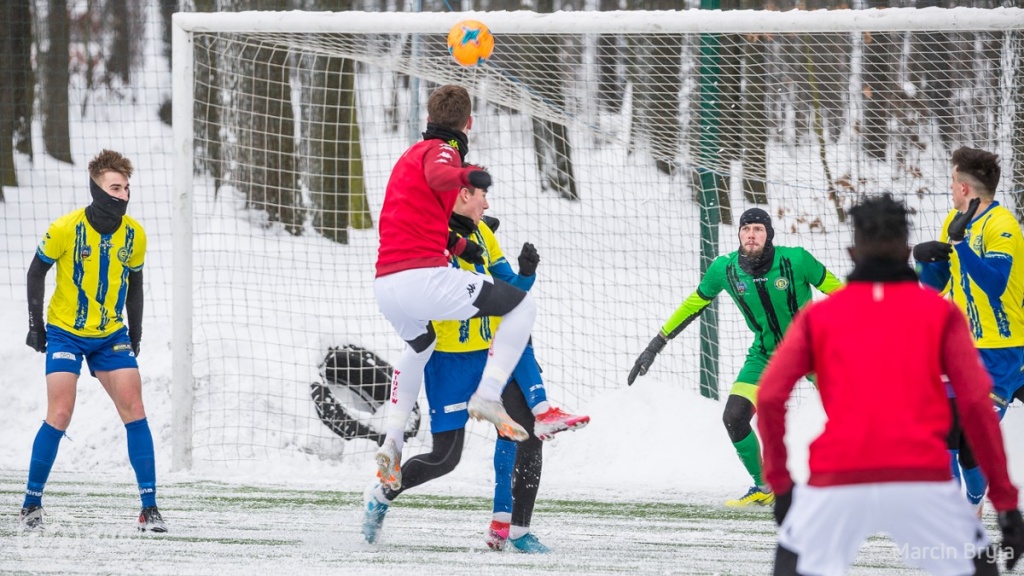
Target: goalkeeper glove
point(958, 227)
point(782, 504)
point(1012, 526)
point(646, 358)
point(469, 251)
point(528, 260)
point(480, 179)
point(932, 251)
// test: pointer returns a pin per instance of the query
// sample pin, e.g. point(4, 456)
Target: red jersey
point(879, 350)
point(418, 201)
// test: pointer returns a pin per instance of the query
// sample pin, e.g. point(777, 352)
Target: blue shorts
point(1004, 366)
point(450, 378)
point(65, 352)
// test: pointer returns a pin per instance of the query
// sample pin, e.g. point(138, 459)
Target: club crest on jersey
point(741, 288)
point(85, 252)
point(781, 283)
point(974, 241)
point(122, 255)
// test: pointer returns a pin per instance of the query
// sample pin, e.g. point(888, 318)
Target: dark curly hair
point(880, 224)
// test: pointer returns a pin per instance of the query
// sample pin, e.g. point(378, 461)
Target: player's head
point(756, 232)
point(471, 202)
point(975, 174)
point(881, 229)
point(450, 107)
point(110, 171)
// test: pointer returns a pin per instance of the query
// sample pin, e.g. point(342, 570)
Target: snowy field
point(224, 528)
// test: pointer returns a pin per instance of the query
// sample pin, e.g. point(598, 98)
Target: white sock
point(515, 532)
point(541, 407)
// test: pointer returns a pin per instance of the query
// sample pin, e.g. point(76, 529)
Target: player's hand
point(1012, 526)
point(646, 358)
point(528, 260)
point(480, 179)
point(782, 504)
point(491, 222)
point(472, 253)
point(469, 251)
point(36, 338)
point(958, 227)
point(932, 251)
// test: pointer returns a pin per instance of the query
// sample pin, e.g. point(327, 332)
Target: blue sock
point(527, 375)
point(44, 452)
point(504, 462)
point(140, 454)
point(954, 465)
point(976, 484)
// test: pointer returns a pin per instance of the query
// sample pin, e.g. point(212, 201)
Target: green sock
point(749, 451)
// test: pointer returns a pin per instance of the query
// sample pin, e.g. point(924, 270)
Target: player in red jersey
point(415, 284)
point(879, 347)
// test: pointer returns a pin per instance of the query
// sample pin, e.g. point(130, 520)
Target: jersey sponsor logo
point(394, 387)
point(121, 347)
point(455, 407)
point(781, 283)
point(62, 356)
point(1006, 235)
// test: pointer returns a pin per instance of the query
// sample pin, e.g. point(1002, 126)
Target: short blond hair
point(110, 161)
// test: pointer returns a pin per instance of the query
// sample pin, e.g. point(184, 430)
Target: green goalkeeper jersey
point(768, 302)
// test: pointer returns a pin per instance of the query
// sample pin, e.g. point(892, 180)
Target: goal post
point(622, 144)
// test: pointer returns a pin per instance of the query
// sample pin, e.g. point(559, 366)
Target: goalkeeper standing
point(769, 284)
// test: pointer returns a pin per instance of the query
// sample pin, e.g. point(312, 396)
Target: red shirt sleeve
point(442, 167)
point(790, 362)
point(971, 383)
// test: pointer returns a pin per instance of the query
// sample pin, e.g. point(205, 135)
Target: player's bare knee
point(59, 418)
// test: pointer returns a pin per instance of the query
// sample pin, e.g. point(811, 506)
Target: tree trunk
point(610, 84)
point(1017, 131)
point(880, 60)
point(56, 127)
point(117, 17)
point(16, 91)
point(208, 102)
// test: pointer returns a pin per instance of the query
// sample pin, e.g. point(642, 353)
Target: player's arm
point(709, 287)
point(932, 258)
point(819, 276)
point(36, 282)
point(442, 168)
point(133, 305)
point(933, 274)
point(991, 273)
point(792, 359)
point(971, 383)
point(500, 267)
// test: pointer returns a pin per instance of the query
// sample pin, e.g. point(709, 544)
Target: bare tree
point(56, 75)
point(611, 85)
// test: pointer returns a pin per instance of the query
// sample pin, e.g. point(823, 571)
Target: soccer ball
point(470, 42)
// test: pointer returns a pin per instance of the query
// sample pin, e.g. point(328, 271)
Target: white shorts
point(410, 299)
point(932, 524)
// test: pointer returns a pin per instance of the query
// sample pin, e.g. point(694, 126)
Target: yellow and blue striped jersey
point(993, 239)
point(476, 333)
point(92, 273)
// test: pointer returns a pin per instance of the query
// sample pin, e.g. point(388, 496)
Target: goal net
point(624, 145)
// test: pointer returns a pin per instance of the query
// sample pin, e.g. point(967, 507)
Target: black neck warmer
point(456, 139)
point(880, 269)
point(760, 265)
point(105, 212)
point(461, 225)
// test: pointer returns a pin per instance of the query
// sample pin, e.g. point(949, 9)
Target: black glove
point(480, 179)
point(528, 260)
point(1012, 526)
point(646, 358)
point(469, 251)
point(136, 340)
point(491, 222)
point(36, 338)
point(782, 504)
point(932, 251)
point(958, 227)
